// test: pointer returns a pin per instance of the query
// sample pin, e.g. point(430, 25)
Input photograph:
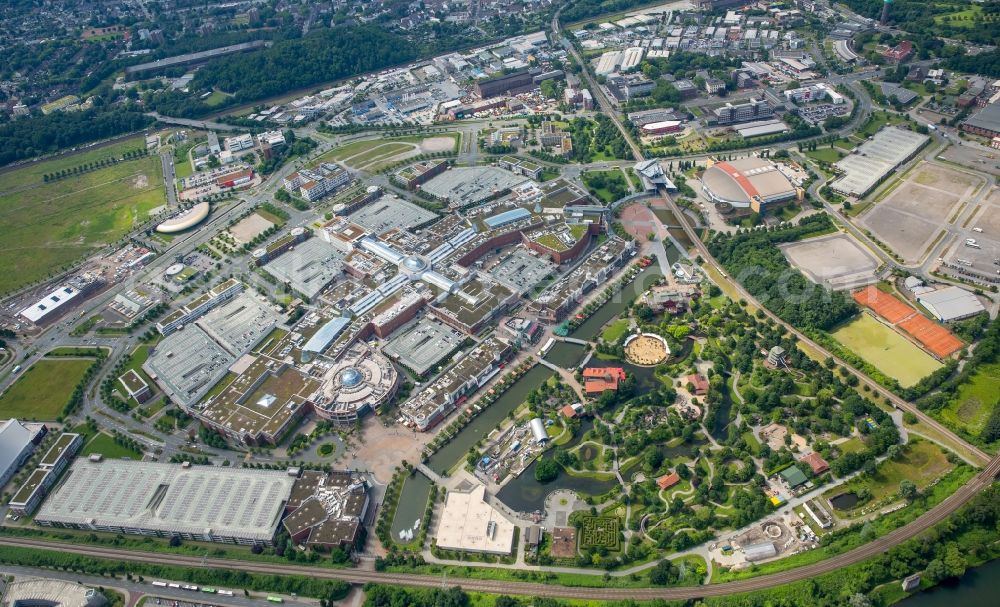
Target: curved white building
point(185, 220)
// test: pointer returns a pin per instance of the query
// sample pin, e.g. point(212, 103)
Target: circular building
point(748, 183)
point(361, 380)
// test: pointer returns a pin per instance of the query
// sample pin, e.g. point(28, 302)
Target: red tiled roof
point(668, 480)
point(816, 463)
point(603, 372)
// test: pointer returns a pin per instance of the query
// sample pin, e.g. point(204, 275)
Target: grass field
point(975, 400)
point(383, 152)
point(887, 350)
point(43, 389)
point(826, 154)
point(105, 445)
point(53, 224)
point(216, 98)
point(32, 174)
point(851, 445)
point(613, 332)
point(921, 462)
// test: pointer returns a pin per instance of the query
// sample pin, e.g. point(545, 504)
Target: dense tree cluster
point(37, 135)
point(753, 258)
point(583, 9)
point(322, 56)
point(945, 19)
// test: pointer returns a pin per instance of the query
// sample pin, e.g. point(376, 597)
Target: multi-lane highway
point(357, 576)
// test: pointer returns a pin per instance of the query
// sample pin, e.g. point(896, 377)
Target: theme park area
point(676, 417)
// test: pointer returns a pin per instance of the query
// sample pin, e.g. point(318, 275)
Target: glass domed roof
point(414, 264)
point(350, 377)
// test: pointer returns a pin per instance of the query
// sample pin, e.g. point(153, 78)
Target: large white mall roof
point(231, 502)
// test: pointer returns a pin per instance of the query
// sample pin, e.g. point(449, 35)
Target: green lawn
point(52, 225)
point(599, 182)
point(826, 154)
point(105, 445)
point(921, 462)
point(613, 332)
point(382, 152)
point(975, 400)
point(887, 350)
point(43, 389)
point(851, 445)
point(216, 98)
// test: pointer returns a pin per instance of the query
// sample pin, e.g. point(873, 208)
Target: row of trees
point(93, 166)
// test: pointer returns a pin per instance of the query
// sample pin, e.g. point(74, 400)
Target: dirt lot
point(437, 144)
point(836, 261)
point(911, 217)
point(249, 227)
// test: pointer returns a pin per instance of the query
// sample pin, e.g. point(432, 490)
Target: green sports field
point(887, 350)
point(47, 226)
point(43, 389)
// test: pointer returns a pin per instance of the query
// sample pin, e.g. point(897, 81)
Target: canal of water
point(525, 494)
point(566, 355)
point(411, 506)
point(591, 327)
point(488, 420)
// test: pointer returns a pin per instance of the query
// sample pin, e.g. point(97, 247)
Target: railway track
point(356, 576)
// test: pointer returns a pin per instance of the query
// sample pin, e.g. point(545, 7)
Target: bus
point(160, 584)
point(208, 590)
point(226, 592)
point(276, 599)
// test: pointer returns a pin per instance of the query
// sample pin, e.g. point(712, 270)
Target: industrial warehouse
point(202, 503)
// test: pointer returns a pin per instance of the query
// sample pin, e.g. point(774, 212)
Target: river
point(979, 586)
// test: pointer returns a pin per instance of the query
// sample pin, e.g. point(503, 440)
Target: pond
point(721, 418)
point(684, 450)
point(411, 506)
point(591, 327)
point(845, 501)
point(525, 494)
point(487, 420)
point(979, 586)
point(588, 452)
point(566, 355)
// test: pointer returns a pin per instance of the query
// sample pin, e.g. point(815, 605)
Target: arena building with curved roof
point(747, 183)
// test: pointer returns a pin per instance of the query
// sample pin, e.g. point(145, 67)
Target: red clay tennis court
point(883, 304)
point(933, 336)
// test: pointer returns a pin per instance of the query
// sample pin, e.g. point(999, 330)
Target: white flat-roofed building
point(43, 308)
point(874, 160)
point(951, 303)
point(238, 143)
point(200, 503)
point(470, 524)
point(271, 138)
